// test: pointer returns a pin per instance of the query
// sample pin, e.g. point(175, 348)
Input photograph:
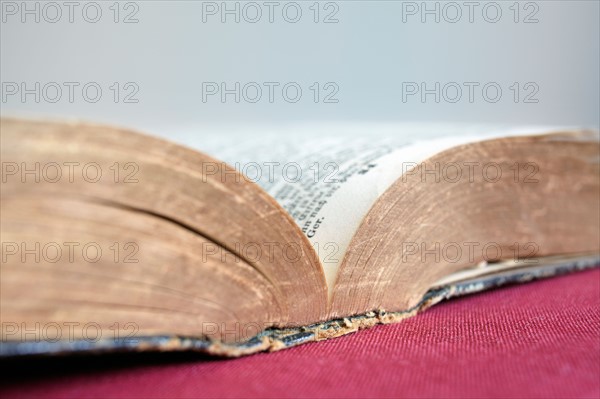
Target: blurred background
point(174, 66)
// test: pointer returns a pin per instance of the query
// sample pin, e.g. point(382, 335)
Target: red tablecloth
point(535, 340)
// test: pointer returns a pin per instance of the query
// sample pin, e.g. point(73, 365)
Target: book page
point(327, 180)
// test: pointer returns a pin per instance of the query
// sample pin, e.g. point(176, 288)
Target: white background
point(373, 48)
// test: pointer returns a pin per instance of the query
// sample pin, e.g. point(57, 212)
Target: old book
point(116, 240)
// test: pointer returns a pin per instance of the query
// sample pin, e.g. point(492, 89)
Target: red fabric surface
point(535, 340)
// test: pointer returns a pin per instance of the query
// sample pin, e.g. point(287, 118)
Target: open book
point(115, 240)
